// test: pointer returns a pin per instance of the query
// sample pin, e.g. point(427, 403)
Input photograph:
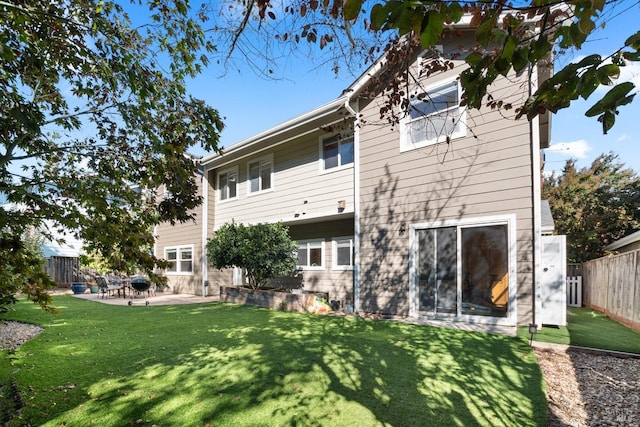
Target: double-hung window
point(342, 253)
point(337, 152)
point(311, 254)
point(227, 183)
point(433, 118)
point(180, 259)
point(261, 174)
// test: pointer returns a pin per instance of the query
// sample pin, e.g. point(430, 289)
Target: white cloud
point(577, 149)
point(623, 137)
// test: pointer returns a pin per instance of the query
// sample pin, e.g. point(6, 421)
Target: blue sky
point(251, 104)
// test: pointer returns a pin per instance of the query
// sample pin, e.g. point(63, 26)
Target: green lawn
point(226, 365)
point(589, 328)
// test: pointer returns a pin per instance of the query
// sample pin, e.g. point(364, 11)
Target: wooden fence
point(61, 269)
point(612, 285)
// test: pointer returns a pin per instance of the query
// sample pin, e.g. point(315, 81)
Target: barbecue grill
point(141, 285)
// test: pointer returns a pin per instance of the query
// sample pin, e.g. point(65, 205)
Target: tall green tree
point(94, 117)
point(511, 37)
point(594, 206)
point(263, 251)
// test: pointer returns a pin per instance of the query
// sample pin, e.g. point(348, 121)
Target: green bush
point(264, 251)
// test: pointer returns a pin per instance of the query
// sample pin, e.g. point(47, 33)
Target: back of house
point(435, 215)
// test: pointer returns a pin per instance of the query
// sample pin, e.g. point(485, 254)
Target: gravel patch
point(587, 389)
point(14, 334)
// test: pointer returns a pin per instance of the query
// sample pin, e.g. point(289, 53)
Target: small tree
point(264, 251)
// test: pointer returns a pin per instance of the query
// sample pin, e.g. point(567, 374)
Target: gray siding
point(299, 189)
point(189, 233)
point(486, 173)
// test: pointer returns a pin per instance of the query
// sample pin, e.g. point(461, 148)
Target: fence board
point(612, 284)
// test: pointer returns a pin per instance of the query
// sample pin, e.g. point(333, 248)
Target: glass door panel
point(485, 270)
point(437, 290)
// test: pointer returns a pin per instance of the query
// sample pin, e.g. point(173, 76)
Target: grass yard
point(226, 365)
point(589, 328)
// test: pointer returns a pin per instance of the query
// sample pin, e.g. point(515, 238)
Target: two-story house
point(437, 216)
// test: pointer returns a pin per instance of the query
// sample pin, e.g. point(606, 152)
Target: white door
point(553, 280)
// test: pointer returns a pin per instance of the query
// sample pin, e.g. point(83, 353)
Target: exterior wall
point(303, 196)
point(189, 233)
point(486, 173)
point(335, 282)
point(298, 187)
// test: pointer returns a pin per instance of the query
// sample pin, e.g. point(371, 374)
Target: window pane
point(302, 255)
point(315, 257)
point(172, 255)
point(224, 189)
point(185, 254)
point(330, 153)
point(485, 264)
point(232, 185)
point(254, 176)
point(265, 174)
point(344, 253)
point(186, 267)
point(346, 152)
point(437, 270)
point(171, 267)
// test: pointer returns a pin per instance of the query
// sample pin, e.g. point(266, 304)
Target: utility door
point(553, 290)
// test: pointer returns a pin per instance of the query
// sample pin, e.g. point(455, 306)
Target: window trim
point(334, 253)
point(233, 170)
point(178, 249)
point(308, 243)
point(460, 129)
point(267, 158)
point(321, 142)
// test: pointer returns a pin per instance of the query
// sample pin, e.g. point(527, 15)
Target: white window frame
point(334, 253)
point(340, 166)
point(179, 250)
point(260, 160)
point(312, 244)
point(457, 112)
point(231, 171)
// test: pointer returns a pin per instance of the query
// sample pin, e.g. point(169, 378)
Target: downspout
point(534, 135)
point(356, 206)
point(205, 218)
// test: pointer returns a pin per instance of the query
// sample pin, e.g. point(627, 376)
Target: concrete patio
point(160, 298)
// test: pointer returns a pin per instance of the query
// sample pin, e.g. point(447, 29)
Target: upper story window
point(261, 174)
point(228, 184)
point(180, 259)
point(337, 151)
point(311, 254)
point(342, 253)
point(434, 118)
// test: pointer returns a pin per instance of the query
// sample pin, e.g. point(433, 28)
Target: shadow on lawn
point(229, 365)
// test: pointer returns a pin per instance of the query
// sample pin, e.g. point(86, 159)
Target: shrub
point(264, 251)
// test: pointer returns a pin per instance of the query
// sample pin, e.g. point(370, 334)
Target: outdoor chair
point(107, 287)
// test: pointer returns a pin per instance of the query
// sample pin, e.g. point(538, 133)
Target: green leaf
point(633, 41)
point(615, 97)
point(378, 16)
point(519, 60)
point(351, 9)
point(473, 58)
point(607, 73)
point(431, 28)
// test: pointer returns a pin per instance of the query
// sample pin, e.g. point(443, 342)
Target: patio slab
point(160, 298)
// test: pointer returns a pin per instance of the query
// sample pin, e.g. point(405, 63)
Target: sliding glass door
point(463, 270)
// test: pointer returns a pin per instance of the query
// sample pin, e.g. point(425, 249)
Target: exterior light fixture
point(403, 228)
point(533, 329)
